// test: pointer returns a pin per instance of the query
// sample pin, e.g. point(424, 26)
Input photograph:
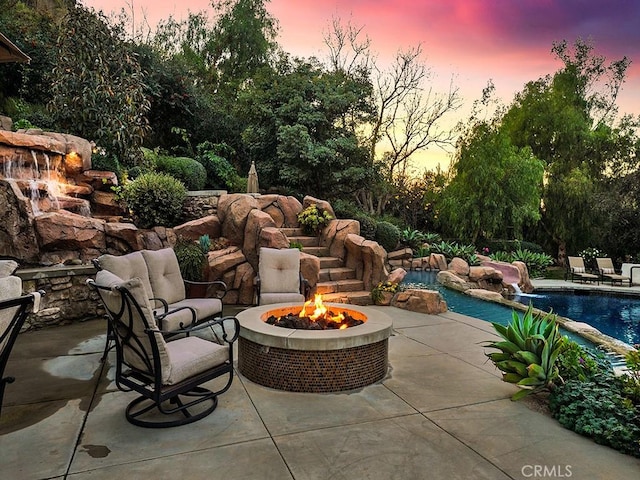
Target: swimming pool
point(616, 316)
point(502, 314)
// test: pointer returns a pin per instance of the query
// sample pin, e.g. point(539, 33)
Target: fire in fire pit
point(315, 316)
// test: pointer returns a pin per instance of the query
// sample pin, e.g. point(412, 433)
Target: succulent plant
point(529, 349)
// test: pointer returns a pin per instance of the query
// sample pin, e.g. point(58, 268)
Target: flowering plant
point(312, 219)
point(377, 291)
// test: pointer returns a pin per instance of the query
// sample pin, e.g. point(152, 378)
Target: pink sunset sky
point(468, 42)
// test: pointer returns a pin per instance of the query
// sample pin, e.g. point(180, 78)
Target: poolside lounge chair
point(578, 271)
point(608, 272)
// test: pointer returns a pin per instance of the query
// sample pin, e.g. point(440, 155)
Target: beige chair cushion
point(204, 307)
point(269, 298)
point(192, 355)
point(10, 287)
point(164, 274)
point(113, 301)
point(131, 265)
point(279, 270)
point(7, 267)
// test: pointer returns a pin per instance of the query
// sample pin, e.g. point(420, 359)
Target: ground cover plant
point(584, 394)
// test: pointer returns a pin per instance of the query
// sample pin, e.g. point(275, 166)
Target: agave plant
point(529, 349)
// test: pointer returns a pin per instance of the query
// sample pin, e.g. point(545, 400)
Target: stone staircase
point(337, 283)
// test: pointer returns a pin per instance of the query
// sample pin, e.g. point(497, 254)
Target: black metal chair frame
point(147, 381)
point(165, 309)
point(9, 336)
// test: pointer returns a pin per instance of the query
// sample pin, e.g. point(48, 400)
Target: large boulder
point(233, 212)
point(451, 280)
point(525, 281)
point(193, 230)
point(437, 261)
point(459, 266)
point(367, 258)
point(423, 301)
point(256, 222)
point(128, 237)
point(310, 268)
point(272, 237)
point(282, 209)
point(334, 235)
point(69, 231)
point(397, 275)
point(17, 234)
point(321, 204)
point(223, 261)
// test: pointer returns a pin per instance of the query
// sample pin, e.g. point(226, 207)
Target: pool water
point(616, 316)
point(494, 312)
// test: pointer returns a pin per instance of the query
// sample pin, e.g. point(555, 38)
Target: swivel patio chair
point(279, 278)
point(168, 376)
point(164, 286)
point(13, 313)
point(577, 270)
point(608, 272)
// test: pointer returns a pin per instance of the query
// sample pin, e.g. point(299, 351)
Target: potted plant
point(192, 258)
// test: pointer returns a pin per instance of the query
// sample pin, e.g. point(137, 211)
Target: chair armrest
point(222, 287)
point(194, 318)
point(210, 323)
point(165, 305)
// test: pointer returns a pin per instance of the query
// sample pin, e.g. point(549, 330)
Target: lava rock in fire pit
point(329, 321)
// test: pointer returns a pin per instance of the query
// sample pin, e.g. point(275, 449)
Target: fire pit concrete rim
point(378, 327)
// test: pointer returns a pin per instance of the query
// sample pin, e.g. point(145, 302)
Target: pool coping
point(582, 329)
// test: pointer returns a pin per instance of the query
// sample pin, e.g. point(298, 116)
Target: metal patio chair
point(168, 376)
point(13, 313)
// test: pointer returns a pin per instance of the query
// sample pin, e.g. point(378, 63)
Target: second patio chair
point(279, 278)
point(608, 272)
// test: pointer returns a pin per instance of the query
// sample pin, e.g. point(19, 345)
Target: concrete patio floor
point(442, 412)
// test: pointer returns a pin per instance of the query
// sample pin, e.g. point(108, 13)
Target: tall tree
point(495, 186)
point(295, 130)
point(98, 87)
point(566, 121)
point(408, 115)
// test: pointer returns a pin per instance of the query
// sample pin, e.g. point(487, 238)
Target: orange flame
point(319, 310)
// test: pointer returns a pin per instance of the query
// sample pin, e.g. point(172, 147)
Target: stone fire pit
point(313, 360)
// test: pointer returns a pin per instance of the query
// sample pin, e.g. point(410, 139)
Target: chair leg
point(143, 405)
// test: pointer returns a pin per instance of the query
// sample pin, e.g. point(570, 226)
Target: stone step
point(304, 240)
point(350, 285)
point(317, 251)
point(335, 274)
point(291, 232)
point(330, 262)
point(362, 297)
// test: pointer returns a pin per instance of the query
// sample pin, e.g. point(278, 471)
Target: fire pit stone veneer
point(313, 360)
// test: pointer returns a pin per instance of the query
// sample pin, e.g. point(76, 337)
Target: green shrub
point(154, 199)
point(346, 209)
point(387, 235)
point(187, 170)
point(537, 263)
point(599, 410)
point(529, 349)
point(367, 226)
point(411, 238)
point(501, 245)
point(313, 219)
point(220, 173)
point(453, 249)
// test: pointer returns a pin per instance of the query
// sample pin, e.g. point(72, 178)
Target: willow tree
point(566, 119)
point(494, 188)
